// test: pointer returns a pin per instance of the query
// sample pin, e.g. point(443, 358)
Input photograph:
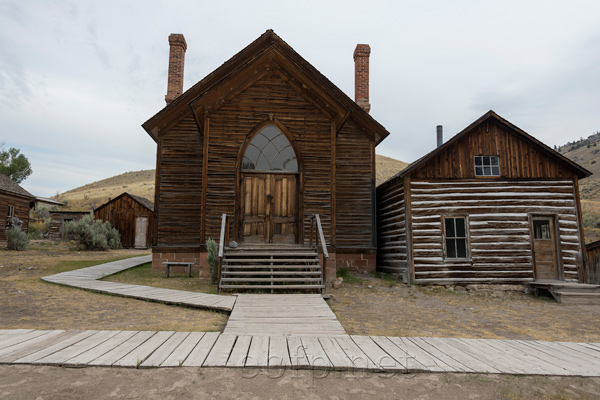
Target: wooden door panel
point(544, 248)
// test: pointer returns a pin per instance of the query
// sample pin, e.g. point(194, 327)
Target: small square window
point(487, 166)
point(456, 237)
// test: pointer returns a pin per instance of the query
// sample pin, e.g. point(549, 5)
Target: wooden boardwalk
point(87, 278)
point(283, 314)
point(147, 349)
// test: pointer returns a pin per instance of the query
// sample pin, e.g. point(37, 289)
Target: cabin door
point(141, 230)
point(544, 248)
point(269, 208)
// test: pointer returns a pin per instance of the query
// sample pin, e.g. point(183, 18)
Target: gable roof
point(268, 52)
point(576, 168)
point(142, 200)
point(7, 185)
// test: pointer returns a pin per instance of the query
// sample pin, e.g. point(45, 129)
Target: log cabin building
point(491, 205)
point(15, 203)
point(132, 216)
point(269, 141)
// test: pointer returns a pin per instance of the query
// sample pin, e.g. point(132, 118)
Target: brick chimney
point(361, 76)
point(177, 50)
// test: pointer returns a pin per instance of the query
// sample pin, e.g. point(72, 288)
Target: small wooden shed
point(58, 219)
point(15, 203)
point(132, 216)
point(491, 205)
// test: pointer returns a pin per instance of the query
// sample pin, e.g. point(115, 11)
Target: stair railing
point(223, 238)
point(319, 238)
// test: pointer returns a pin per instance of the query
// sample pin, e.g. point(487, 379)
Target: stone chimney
point(177, 50)
point(361, 76)
point(440, 135)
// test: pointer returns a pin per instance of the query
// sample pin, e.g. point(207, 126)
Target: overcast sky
point(78, 78)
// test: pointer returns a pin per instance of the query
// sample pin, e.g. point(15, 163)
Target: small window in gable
point(487, 166)
point(455, 236)
point(270, 150)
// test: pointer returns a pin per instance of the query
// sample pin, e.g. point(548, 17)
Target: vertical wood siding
point(122, 213)
point(499, 233)
point(593, 263)
point(180, 186)
point(391, 228)
point(354, 190)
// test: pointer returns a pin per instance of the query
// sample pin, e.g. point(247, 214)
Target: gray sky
point(78, 78)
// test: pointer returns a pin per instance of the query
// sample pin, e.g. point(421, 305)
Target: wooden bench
point(169, 264)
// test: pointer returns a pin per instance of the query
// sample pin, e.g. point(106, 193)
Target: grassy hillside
point(141, 183)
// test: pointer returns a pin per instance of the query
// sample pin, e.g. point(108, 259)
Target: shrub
point(16, 239)
point(213, 259)
point(93, 234)
point(37, 230)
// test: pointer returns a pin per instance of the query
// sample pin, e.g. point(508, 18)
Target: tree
point(14, 165)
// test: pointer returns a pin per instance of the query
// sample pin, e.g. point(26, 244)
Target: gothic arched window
point(270, 150)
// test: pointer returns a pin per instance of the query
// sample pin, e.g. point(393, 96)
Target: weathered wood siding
point(57, 221)
point(592, 265)
point(519, 158)
point(498, 228)
point(391, 229)
point(235, 120)
point(122, 214)
point(354, 190)
point(179, 201)
point(21, 211)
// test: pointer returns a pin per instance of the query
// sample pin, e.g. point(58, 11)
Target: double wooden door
point(269, 208)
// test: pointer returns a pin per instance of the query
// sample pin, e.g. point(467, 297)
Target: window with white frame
point(455, 237)
point(487, 166)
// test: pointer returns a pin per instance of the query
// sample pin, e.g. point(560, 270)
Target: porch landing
point(568, 292)
point(282, 314)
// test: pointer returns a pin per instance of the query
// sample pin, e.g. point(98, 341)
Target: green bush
point(37, 230)
point(16, 239)
point(92, 234)
point(213, 259)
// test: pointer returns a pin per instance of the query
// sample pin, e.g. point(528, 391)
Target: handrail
point(319, 236)
point(223, 238)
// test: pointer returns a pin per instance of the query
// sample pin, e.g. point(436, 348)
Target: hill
point(141, 183)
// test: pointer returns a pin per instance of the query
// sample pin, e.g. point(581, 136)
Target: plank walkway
point(150, 349)
point(283, 314)
point(87, 278)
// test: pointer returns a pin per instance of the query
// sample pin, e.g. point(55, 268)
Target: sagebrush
point(213, 259)
point(91, 234)
point(16, 239)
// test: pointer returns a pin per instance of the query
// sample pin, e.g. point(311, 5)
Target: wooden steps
point(272, 268)
point(569, 292)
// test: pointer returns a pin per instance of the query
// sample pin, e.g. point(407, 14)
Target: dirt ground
point(29, 382)
point(377, 307)
point(29, 302)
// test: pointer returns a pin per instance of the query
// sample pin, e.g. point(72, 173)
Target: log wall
point(391, 229)
point(498, 215)
point(122, 213)
point(21, 211)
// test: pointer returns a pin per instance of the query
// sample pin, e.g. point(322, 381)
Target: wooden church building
point(271, 142)
point(491, 205)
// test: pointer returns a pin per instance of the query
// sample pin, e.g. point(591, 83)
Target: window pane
point(450, 248)
point(461, 248)
point(252, 153)
point(478, 160)
point(495, 171)
point(478, 171)
point(291, 165)
point(260, 141)
point(281, 141)
point(262, 164)
point(541, 229)
point(270, 151)
point(270, 131)
point(450, 228)
point(460, 227)
point(494, 160)
point(487, 171)
point(277, 164)
point(486, 160)
point(247, 164)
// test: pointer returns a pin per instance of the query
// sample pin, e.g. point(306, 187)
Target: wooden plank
point(458, 351)
point(557, 365)
point(575, 351)
point(399, 355)
point(109, 358)
point(298, 356)
point(202, 349)
point(105, 347)
point(139, 354)
point(503, 362)
point(258, 353)
point(418, 358)
point(19, 350)
point(69, 339)
point(278, 352)
point(355, 354)
point(336, 354)
point(181, 353)
point(77, 348)
point(316, 356)
point(220, 352)
point(239, 353)
point(22, 337)
point(165, 350)
point(441, 355)
point(377, 356)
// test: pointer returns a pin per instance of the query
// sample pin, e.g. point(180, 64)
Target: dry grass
point(29, 302)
